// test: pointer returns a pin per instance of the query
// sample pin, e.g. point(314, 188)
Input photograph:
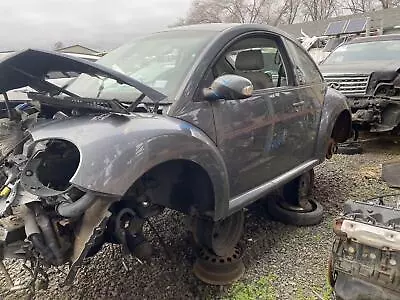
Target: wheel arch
point(179, 184)
point(335, 122)
point(342, 127)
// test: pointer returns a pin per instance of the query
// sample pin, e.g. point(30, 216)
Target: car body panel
point(335, 104)
point(359, 67)
point(199, 114)
point(242, 126)
point(221, 137)
point(115, 150)
point(258, 192)
point(259, 138)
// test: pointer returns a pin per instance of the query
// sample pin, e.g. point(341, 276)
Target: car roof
point(220, 27)
point(224, 26)
point(386, 37)
point(207, 27)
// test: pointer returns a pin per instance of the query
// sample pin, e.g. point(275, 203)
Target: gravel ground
point(296, 257)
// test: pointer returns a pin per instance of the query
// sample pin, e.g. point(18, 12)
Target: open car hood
point(25, 67)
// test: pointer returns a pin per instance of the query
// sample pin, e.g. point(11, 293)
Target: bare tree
point(389, 3)
point(315, 10)
point(289, 12)
point(241, 11)
point(359, 6)
point(202, 11)
point(276, 12)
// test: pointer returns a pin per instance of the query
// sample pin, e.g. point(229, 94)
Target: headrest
point(249, 60)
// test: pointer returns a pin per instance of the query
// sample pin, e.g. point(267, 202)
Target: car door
point(257, 136)
point(310, 93)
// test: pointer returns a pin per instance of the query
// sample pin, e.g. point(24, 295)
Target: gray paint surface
point(247, 147)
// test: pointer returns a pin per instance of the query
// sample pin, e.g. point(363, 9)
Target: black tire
point(292, 217)
point(349, 149)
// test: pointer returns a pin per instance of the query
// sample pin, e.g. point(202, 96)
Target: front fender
point(117, 150)
point(334, 104)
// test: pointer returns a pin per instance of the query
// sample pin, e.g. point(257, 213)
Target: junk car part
point(366, 252)
point(294, 204)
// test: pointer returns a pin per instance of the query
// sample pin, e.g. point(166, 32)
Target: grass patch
point(262, 289)
point(323, 293)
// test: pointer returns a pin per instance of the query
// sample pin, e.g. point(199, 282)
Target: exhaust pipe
point(43, 222)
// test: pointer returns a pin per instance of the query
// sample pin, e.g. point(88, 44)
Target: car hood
point(27, 67)
point(362, 67)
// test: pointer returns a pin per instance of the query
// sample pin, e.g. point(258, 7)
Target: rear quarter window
point(305, 69)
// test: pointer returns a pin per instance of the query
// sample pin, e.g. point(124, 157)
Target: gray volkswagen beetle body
point(202, 119)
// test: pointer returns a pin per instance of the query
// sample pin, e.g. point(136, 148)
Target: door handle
point(297, 104)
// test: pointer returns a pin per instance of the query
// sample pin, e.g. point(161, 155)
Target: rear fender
point(334, 105)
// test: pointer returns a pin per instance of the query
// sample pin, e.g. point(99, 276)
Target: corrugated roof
point(387, 18)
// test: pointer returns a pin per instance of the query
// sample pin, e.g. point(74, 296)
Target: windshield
point(378, 50)
point(160, 61)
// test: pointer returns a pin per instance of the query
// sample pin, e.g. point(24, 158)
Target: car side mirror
point(229, 87)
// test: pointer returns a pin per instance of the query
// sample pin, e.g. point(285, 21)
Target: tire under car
point(294, 217)
point(295, 204)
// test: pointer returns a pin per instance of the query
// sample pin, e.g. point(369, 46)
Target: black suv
point(366, 70)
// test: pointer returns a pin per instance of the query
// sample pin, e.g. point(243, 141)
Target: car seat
point(250, 64)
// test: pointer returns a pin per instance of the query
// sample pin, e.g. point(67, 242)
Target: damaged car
point(366, 70)
point(203, 119)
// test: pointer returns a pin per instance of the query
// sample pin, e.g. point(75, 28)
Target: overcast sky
point(102, 24)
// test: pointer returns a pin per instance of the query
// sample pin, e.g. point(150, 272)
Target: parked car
point(206, 131)
point(366, 70)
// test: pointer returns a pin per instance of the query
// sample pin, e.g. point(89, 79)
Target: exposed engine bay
point(379, 109)
point(46, 220)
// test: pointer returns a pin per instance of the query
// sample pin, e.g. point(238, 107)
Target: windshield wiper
point(45, 84)
point(101, 87)
point(137, 101)
point(63, 89)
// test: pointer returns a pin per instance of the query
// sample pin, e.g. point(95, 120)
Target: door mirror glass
point(229, 87)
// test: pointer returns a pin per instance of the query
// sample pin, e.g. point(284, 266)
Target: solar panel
point(335, 28)
point(356, 25)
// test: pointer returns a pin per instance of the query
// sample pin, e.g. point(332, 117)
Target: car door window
point(257, 59)
point(305, 69)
